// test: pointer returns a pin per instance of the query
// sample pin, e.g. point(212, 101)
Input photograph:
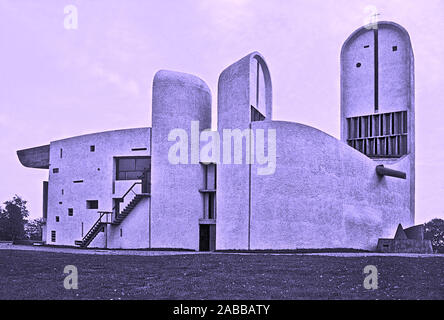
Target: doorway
point(207, 237)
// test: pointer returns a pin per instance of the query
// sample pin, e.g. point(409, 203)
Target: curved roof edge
point(180, 79)
point(367, 27)
point(102, 132)
point(36, 157)
point(241, 69)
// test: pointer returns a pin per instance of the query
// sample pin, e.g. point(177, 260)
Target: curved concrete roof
point(37, 157)
point(102, 133)
point(180, 79)
point(365, 28)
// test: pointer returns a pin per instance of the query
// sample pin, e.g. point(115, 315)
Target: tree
point(13, 219)
point(33, 229)
point(434, 231)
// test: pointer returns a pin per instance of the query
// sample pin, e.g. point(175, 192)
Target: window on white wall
point(92, 204)
point(132, 168)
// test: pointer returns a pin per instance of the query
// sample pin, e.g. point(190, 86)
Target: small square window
point(92, 148)
point(57, 219)
point(70, 212)
point(92, 204)
point(55, 170)
point(395, 48)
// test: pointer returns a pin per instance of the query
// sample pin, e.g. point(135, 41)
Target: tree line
point(14, 223)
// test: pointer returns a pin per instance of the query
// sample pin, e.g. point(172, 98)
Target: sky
point(57, 83)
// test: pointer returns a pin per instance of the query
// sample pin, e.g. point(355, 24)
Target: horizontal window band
point(376, 137)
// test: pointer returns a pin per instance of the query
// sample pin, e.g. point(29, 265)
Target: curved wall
point(392, 54)
point(233, 180)
point(324, 194)
point(176, 203)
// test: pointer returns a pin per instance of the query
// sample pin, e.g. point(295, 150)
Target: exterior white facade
point(78, 175)
point(324, 192)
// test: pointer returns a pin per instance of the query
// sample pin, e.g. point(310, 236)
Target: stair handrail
point(122, 198)
point(102, 213)
point(130, 189)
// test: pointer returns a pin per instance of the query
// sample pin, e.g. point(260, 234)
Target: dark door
point(204, 237)
point(207, 237)
point(146, 181)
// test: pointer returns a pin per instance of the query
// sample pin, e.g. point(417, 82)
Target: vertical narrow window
point(92, 148)
point(211, 214)
point(53, 236)
point(257, 87)
point(404, 122)
point(121, 232)
point(381, 126)
point(376, 66)
point(61, 153)
point(70, 212)
point(57, 219)
point(392, 115)
point(82, 229)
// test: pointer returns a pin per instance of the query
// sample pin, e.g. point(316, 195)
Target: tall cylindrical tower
point(176, 204)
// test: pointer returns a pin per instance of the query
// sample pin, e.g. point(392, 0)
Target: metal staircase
point(93, 232)
point(118, 216)
point(125, 212)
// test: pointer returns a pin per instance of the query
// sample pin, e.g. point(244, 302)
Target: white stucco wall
point(324, 194)
point(176, 202)
point(395, 83)
point(96, 169)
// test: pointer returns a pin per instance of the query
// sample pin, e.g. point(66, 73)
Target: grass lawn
point(39, 275)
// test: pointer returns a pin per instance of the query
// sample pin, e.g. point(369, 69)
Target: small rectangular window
point(366, 46)
point(55, 170)
point(92, 204)
point(120, 232)
point(57, 219)
point(70, 212)
point(53, 236)
point(395, 48)
point(78, 181)
point(61, 153)
point(138, 149)
point(92, 148)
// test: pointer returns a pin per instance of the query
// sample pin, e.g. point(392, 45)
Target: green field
point(39, 275)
